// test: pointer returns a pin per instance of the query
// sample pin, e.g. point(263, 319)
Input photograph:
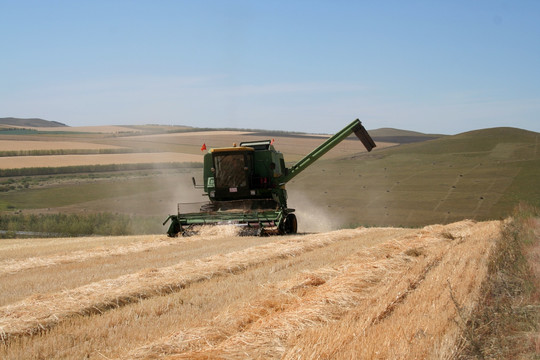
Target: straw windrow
point(14, 266)
point(401, 298)
point(46, 310)
point(318, 313)
point(150, 242)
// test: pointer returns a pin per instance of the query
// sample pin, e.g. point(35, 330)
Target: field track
point(341, 294)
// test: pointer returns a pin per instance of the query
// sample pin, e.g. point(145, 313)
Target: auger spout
point(354, 127)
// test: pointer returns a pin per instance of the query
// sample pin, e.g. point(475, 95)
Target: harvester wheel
point(174, 229)
point(290, 225)
point(175, 226)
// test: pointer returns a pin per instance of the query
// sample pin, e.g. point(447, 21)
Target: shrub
point(54, 225)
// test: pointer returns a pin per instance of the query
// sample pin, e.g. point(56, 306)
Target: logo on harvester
point(210, 182)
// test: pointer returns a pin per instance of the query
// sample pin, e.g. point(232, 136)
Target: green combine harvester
point(246, 186)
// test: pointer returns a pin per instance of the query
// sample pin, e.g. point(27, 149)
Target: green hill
point(30, 122)
point(401, 136)
point(503, 140)
point(478, 175)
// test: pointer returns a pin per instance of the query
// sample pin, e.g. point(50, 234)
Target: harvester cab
point(245, 185)
point(243, 172)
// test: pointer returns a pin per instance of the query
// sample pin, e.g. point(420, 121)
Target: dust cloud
point(313, 217)
point(181, 190)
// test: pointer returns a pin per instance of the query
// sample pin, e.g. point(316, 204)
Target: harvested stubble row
point(81, 261)
point(15, 265)
point(43, 311)
point(402, 299)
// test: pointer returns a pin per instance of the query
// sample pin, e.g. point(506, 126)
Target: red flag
point(272, 142)
point(203, 147)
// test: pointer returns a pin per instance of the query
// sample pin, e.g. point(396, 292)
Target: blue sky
point(314, 66)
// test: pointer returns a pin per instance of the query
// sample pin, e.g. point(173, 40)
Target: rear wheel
point(289, 225)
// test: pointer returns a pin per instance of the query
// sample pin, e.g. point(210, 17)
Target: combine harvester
point(246, 186)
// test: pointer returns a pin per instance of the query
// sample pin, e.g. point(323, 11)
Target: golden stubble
point(380, 293)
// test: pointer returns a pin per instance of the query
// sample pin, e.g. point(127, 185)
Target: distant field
point(137, 193)
point(15, 145)
point(160, 148)
point(196, 134)
point(293, 147)
point(76, 160)
point(88, 129)
point(478, 175)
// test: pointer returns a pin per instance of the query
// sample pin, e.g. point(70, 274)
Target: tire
point(174, 229)
point(290, 225)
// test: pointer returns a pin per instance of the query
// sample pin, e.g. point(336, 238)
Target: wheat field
point(358, 293)
point(17, 145)
point(17, 162)
point(185, 147)
point(100, 129)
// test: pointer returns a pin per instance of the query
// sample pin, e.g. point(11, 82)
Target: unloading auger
point(245, 185)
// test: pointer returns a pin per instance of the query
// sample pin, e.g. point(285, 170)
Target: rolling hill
point(30, 122)
point(479, 175)
point(401, 136)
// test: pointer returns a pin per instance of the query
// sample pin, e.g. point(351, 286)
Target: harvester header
point(245, 185)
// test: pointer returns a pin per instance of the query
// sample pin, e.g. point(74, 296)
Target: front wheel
point(175, 226)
